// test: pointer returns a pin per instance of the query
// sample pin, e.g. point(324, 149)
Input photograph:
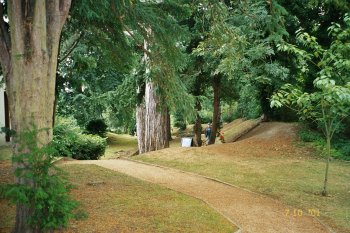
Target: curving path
point(251, 212)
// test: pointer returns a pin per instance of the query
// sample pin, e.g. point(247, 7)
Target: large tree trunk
point(152, 122)
point(216, 105)
point(30, 72)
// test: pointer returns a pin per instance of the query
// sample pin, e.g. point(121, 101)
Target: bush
point(340, 145)
point(44, 189)
point(69, 141)
point(89, 147)
point(309, 135)
point(97, 127)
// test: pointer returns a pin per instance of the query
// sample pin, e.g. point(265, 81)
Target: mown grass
point(296, 181)
point(5, 153)
point(119, 145)
point(118, 203)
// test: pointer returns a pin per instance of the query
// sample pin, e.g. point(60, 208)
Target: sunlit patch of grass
point(296, 180)
point(5, 153)
point(120, 144)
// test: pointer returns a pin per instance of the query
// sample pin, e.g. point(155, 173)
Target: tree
point(329, 104)
point(126, 26)
point(239, 48)
point(29, 43)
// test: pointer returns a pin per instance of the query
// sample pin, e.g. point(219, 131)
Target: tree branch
point(71, 49)
point(130, 33)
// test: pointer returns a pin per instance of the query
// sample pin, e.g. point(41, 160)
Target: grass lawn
point(118, 203)
point(296, 179)
point(120, 145)
point(5, 153)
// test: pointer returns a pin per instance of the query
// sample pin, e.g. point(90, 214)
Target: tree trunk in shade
point(169, 126)
point(197, 128)
point(216, 107)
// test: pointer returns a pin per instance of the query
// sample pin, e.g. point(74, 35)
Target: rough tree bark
point(152, 122)
point(216, 105)
point(28, 55)
point(151, 114)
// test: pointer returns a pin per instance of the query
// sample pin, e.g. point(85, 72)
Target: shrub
point(97, 126)
point(341, 145)
point(88, 147)
point(309, 135)
point(45, 190)
point(65, 133)
point(69, 141)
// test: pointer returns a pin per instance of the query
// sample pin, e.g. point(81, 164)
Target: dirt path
point(251, 212)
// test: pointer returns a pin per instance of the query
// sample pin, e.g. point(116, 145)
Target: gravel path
point(251, 212)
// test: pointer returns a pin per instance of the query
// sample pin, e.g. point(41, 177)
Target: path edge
point(228, 184)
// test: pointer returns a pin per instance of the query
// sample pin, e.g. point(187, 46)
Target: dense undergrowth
point(340, 143)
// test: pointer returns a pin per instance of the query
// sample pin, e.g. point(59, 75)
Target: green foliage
point(329, 103)
point(97, 126)
point(69, 141)
point(43, 188)
point(249, 106)
point(308, 135)
point(341, 144)
point(228, 112)
point(179, 121)
point(239, 44)
point(342, 147)
point(89, 147)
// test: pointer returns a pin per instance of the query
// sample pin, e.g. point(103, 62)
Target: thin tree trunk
point(29, 63)
point(140, 127)
point(197, 128)
point(169, 126)
point(324, 192)
point(216, 106)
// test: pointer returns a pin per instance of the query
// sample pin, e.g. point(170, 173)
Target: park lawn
point(118, 203)
point(5, 153)
point(120, 145)
point(296, 179)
